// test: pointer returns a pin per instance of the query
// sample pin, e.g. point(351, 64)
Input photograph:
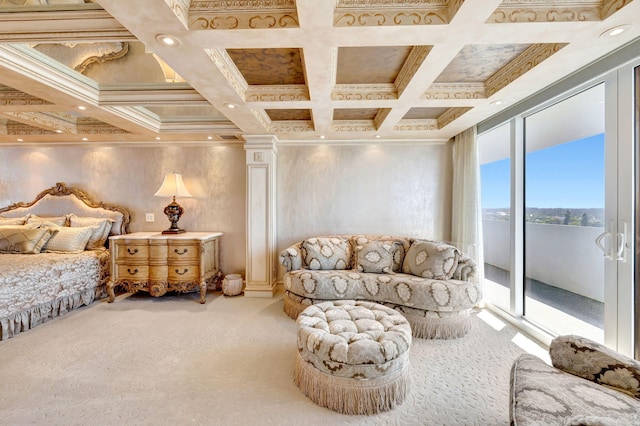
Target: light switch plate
point(150, 217)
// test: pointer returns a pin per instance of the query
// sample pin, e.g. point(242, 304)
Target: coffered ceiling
point(81, 71)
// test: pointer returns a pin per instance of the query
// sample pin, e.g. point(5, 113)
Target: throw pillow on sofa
point(327, 253)
point(431, 259)
point(376, 256)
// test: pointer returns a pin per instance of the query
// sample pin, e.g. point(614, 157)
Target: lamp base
point(173, 231)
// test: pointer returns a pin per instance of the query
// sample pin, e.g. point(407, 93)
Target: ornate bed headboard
point(62, 199)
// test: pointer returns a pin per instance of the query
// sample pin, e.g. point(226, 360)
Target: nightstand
point(158, 263)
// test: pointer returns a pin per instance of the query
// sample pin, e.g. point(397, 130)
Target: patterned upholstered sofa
point(589, 384)
point(431, 283)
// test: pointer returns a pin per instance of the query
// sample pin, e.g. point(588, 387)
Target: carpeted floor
point(172, 361)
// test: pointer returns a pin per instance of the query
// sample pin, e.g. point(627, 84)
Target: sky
point(569, 175)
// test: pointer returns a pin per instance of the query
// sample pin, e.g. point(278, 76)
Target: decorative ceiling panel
point(238, 14)
point(269, 66)
point(424, 113)
point(77, 71)
point(350, 13)
point(288, 114)
point(371, 64)
point(476, 63)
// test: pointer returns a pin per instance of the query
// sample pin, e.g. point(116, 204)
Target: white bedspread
point(37, 287)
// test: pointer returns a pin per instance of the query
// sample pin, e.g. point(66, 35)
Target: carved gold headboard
point(62, 199)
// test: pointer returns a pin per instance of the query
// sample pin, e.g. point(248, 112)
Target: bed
point(54, 256)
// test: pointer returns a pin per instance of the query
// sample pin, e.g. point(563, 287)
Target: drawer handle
point(181, 253)
point(135, 271)
point(132, 252)
point(183, 272)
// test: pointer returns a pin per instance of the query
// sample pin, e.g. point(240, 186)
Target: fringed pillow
point(431, 259)
point(327, 253)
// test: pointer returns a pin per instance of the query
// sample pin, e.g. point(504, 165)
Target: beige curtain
point(466, 219)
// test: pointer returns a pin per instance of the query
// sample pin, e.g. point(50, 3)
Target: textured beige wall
point(215, 176)
point(402, 190)
point(379, 189)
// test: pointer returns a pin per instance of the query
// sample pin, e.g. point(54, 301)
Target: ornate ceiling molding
point(527, 60)
point(555, 10)
point(10, 97)
point(237, 14)
point(99, 59)
point(150, 97)
point(181, 9)
point(609, 7)
point(291, 126)
point(416, 126)
point(46, 121)
point(364, 92)
point(88, 126)
point(225, 65)
point(455, 91)
point(414, 61)
point(344, 126)
point(61, 26)
point(277, 93)
point(451, 115)
point(364, 18)
point(381, 116)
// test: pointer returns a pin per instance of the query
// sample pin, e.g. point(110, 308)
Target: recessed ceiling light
point(82, 107)
point(498, 102)
point(209, 137)
point(377, 136)
point(230, 106)
point(321, 136)
point(20, 140)
point(85, 139)
point(157, 138)
point(58, 131)
point(612, 32)
point(168, 40)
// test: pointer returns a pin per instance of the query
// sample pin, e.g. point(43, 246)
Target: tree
point(567, 217)
point(585, 220)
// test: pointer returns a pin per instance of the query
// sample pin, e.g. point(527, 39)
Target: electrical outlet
point(150, 217)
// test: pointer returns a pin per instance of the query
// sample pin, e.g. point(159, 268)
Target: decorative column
point(261, 215)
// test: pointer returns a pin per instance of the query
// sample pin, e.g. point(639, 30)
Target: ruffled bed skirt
point(25, 320)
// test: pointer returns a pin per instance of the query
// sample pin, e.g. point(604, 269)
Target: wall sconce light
point(173, 186)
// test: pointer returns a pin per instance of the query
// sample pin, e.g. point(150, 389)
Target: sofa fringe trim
point(421, 327)
point(351, 396)
point(18, 322)
point(438, 328)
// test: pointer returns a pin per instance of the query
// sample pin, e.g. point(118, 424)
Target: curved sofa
point(431, 283)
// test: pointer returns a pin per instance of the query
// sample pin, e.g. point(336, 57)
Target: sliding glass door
point(564, 213)
point(559, 201)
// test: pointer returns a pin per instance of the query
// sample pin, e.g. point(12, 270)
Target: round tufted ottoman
point(353, 356)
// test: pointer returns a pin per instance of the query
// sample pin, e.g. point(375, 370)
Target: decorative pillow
point(58, 220)
point(376, 256)
point(23, 240)
point(101, 228)
point(327, 253)
point(68, 240)
point(13, 220)
point(431, 259)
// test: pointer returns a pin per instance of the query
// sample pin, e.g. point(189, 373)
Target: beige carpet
point(172, 361)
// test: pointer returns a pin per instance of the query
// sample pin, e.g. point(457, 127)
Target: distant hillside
point(556, 215)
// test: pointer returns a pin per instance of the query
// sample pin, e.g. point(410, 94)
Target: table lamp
point(173, 186)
